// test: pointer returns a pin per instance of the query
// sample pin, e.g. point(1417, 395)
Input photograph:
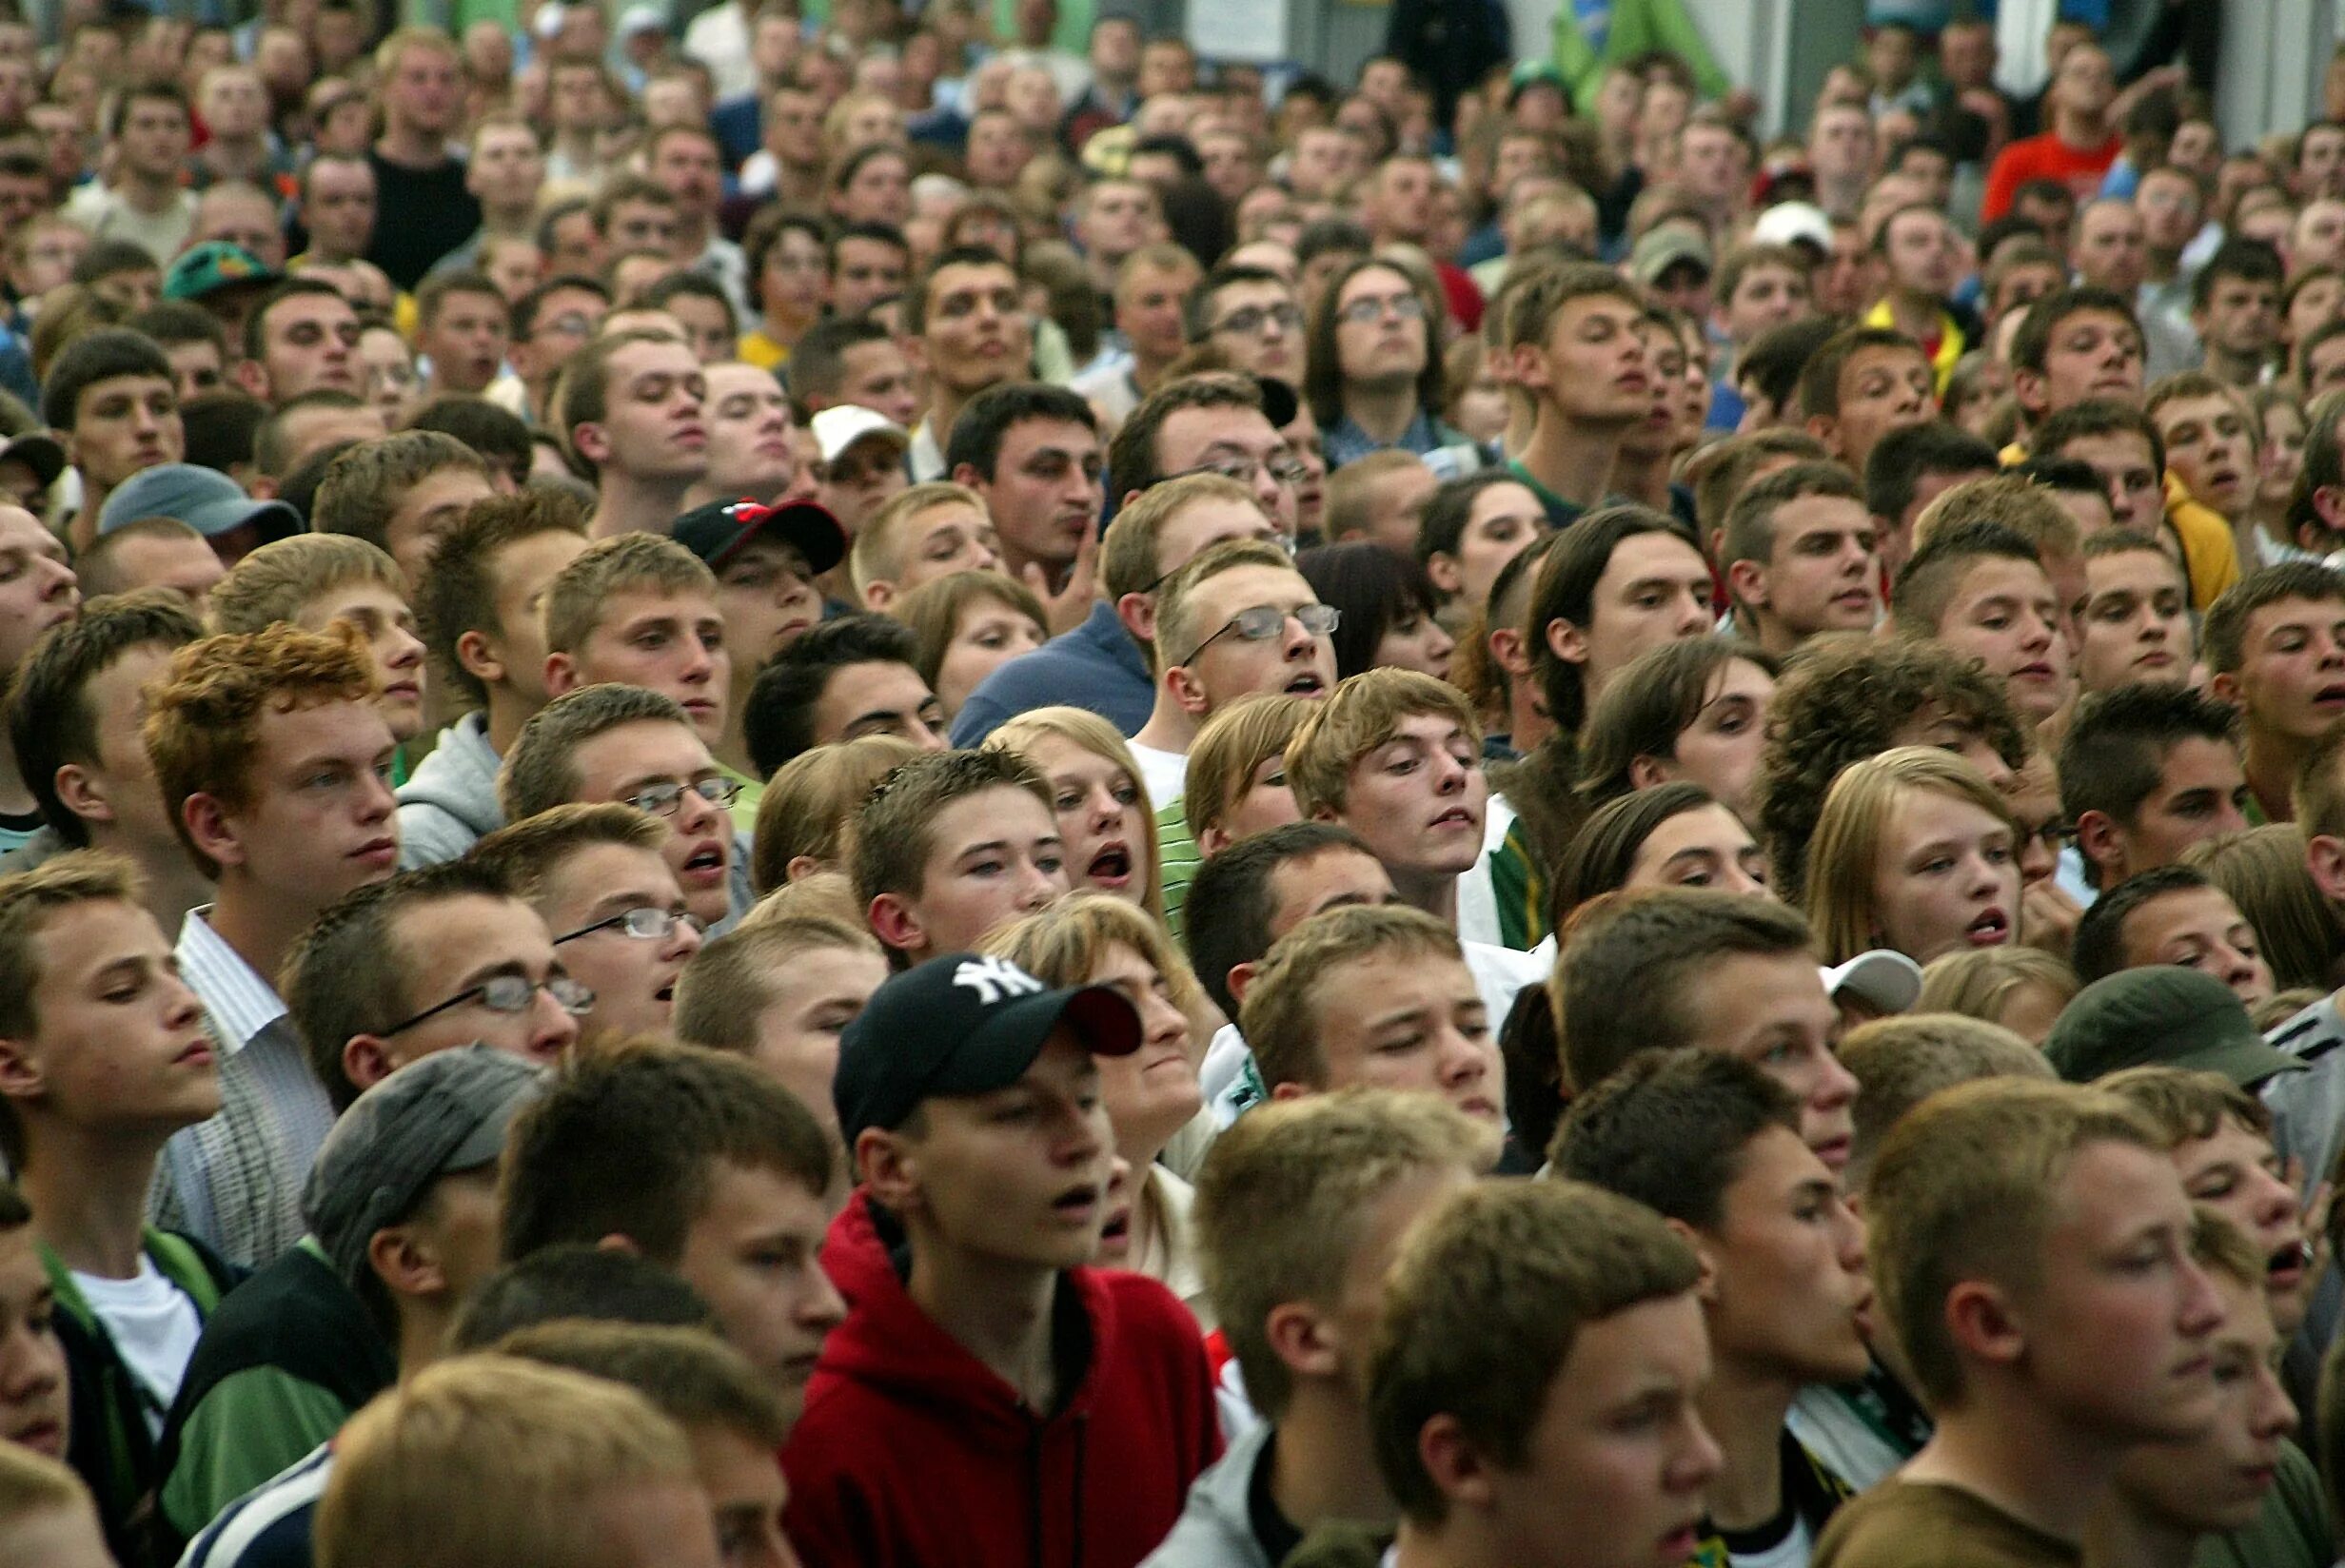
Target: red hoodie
point(913, 1454)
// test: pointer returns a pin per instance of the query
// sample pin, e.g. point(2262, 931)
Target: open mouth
point(1306, 684)
point(1112, 864)
point(1990, 930)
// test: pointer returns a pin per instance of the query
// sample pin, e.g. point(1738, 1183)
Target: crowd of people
point(820, 789)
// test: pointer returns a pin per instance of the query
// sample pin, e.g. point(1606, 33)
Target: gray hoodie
point(452, 800)
point(1216, 1529)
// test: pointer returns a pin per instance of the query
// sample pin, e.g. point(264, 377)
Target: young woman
point(1915, 851)
point(1676, 836)
point(1103, 809)
point(1388, 608)
point(1093, 939)
point(967, 624)
point(2021, 988)
point(1694, 710)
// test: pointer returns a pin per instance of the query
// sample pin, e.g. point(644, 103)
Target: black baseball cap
point(714, 532)
point(961, 1025)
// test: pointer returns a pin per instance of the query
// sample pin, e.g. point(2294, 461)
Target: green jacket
point(1638, 28)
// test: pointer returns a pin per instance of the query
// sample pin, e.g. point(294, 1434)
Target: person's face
point(32, 1374)
point(1380, 333)
point(2135, 623)
point(1418, 800)
point(1420, 1026)
point(1771, 1010)
point(1946, 879)
point(994, 856)
point(465, 339)
point(865, 270)
point(388, 625)
point(1788, 1290)
point(1614, 1474)
point(2091, 354)
point(752, 1254)
point(990, 632)
point(749, 420)
point(2209, 445)
point(623, 762)
point(670, 643)
point(319, 821)
point(1222, 666)
point(2291, 676)
point(2124, 460)
point(653, 422)
point(432, 505)
point(633, 977)
point(1045, 496)
point(1594, 365)
point(37, 588)
point(2110, 250)
point(310, 341)
point(124, 425)
point(1707, 847)
point(2006, 615)
point(448, 948)
point(2241, 316)
point(1654, 589)
point(809, 1002)
point(1824, 575)
point(976, 330)
point(878, 377)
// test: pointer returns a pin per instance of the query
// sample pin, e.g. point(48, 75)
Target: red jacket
point(912, 1454)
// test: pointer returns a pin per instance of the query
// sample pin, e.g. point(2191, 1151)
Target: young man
point(1237, 619)
point(1712, 1145)
point(2275, 647)
point(110, 394)
point(640, 610)
point(629, 746)
point(403, 1221)
point(631, 413)
point(951, 845)
point(967, 328)
point(1577, 355)
point(2147, 770)
point(1032, 453)
point(617, 917)
point(1799, 552)
point(1997, 1213)
point(728, 1191)
point(968, 1092)
point(1981, 589)
point(2135, 625)
point(1522, 1320)
point(1714, 971)
point(1863, 382)
point(481, 609)
point(272, 757)
point(74, 709)
point(846, 678)
point(102, 1058)
point(402, 495)
point(1301, 1207)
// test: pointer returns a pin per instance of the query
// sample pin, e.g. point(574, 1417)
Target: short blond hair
point(1129, 551)
point(728, 983)
point(1285, 1198)
point(1360, 715)
point(1228, 749)
point(1083, 727)
point(556, 1446)
point(811, 801)
point(277, 581)
point(1967, 1187)
point(2013, 500)
point(1853, 826)
point(878, 554)
point(576, 600)
point(1279, 1016)
point(1175, 631)
point(1900, 1061)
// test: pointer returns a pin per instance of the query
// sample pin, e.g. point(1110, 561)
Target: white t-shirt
point(154, 1326)
point(1163, 774)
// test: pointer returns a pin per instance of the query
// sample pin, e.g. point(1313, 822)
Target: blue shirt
point(1095, 666)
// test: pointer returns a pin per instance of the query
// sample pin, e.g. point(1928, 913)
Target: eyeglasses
point(1409, 307)
point(509, 995)
point(644, 923)
point(1261, 622)
point(664, 799)
point(1283, 467)
point(1255, 317)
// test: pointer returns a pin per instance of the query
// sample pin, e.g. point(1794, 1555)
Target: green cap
point(212, 267)
point(2162, 1016)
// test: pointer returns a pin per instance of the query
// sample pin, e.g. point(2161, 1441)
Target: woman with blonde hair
point(2264, 872)
point(1104, 813)
point(803, 815)
point(2021, 988)
point(1915, 851)
point(965, 625)
point(1093, 939)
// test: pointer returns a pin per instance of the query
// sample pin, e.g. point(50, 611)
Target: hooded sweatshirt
point(913, 1453)
point(451, 802)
